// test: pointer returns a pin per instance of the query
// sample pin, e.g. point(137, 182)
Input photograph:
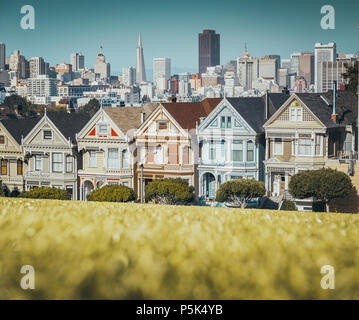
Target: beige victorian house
point(107, 145)
point(11, 156)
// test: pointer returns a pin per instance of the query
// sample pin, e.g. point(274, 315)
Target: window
point(223, 149)
point(278, 147)
point(57, 162)
point(226, 122)
point(185, 155)
point(172, 153)
point(126, 184)
point(237, 150)
point(250, 151)
point(296, 114)
point(347, 146)
point(47, 134)
point(305, 147)
point(38, 162)
point(92, 159)
point(3, 167)
point(19, 167)
point(236, 177)
point(69, 164)
point(2, 140)
point(162, 125)
point(113, 161)
point(212, 150)
point(223, 122)
point(102, 129)
point(229, 122)
point(69, 189)
point(125, 159)
point(318, 144)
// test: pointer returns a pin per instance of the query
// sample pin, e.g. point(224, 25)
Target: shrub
point(240, 192)
point(112, 193)
point(15, 193)
point(318, 206)
point(170, 191)
point(323, 185)
point(4, 190)
point(289, 205)
point(47, 193)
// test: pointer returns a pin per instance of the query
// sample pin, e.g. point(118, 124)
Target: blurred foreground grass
point(130, 251)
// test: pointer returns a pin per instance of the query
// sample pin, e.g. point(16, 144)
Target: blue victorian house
point(231, 141)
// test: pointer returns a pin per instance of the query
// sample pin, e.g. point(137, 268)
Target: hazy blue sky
point(170, 28)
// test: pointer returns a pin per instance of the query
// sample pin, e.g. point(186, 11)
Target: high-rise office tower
point(37, 66)
point(2, 55)
point(18, 63)
point(78, 61)
point(161, 68)
point(129, 76)
point(306, 67)
point(140, 62)
point(208, 50)
point(102, 68)
point(294, 62)
point(322, 53)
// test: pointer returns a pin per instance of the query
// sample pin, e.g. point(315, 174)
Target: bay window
point(92, 159)
point(250, 151)
point(237, 152)
point(113, 160)
point(57, 162)
point(69, 164)
point(304, 147)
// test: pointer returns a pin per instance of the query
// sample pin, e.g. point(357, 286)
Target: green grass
point(127, 251)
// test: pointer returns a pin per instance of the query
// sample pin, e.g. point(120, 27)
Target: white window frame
point(38, 156)
point(60, 163)
point(43, 134)
point(69, 163)
point(293, 113)
point(280, 153)
point(92, 160)
point(125, 165)
point(307, 145)
point(115, 151)
point(99, 129)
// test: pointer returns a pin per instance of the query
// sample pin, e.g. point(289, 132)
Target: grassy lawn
point(127, 251)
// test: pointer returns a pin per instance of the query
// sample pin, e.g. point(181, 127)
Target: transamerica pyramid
point(140, 63)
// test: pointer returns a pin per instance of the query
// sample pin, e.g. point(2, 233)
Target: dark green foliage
point(112, 193)
point(17, 103)
point(240, 192)
point(323, 185)
point(91, 107)
point(170, 191)
point(15, 193)
point(46, 193)
point(318, 206)
point(352, 75)
point(289, 205)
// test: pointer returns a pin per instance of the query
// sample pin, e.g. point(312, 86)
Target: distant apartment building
point(268, 68)
point(161, 68)
point(102, 68)
point(322, 52)
point(66, 90)
point(41, 86)
point(37, 66)
point(208, 50)
point(2, 55)
point(77, 60)
point(18, 63)
point(306, 67)
point(129, 76)
point(283, 78)
point(333, 71)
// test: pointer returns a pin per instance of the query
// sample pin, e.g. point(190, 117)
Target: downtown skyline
point(118, 36)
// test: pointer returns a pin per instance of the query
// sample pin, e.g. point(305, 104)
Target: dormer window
point(47, 134)
point(102, 129)
point(162, 125)
point(296, 112)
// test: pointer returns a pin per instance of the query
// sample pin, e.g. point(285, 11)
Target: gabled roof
point(19, 127)
point(127, 118)
point(253, 109)
point(69, 123)
point(187, 114)
point(346, 107)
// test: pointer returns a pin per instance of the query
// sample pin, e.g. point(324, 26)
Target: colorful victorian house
point(11, 156)
point(309, 131)
point(51, 152)
point(231, 141)
point(108, 147)
point(166, 142)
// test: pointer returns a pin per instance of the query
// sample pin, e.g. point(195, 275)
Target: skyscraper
point(2, 55)
point(102, 68)
point(37, 66)
point(78, 61)
point(322, 53)
point(140, 62)
point(208, 50)
point(161, 68)
point(129, 76)
point(306, 67)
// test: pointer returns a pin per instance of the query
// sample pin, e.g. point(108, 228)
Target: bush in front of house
point(289, 205)
point(112, 193)
point(324, 185)
point(170, 191)
point(240, 192)
point(46, 193)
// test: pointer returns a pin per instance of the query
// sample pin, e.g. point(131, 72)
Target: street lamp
point(158, 147)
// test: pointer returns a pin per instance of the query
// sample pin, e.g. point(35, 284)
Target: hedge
point(112, 193)
point(47, 193)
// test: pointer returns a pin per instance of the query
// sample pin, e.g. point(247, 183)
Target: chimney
point(143, 117)
point(266, 105)
point(334, 113)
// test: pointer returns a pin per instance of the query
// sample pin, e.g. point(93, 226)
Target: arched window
point(250, 151)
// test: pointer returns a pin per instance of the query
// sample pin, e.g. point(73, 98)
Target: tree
point(112, 193)
point(240, 192)
point(91, 107)
point(352, 75)
point(170, 191)
point(324, 185)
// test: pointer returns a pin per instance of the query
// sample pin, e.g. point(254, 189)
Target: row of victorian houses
point(267, 138)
